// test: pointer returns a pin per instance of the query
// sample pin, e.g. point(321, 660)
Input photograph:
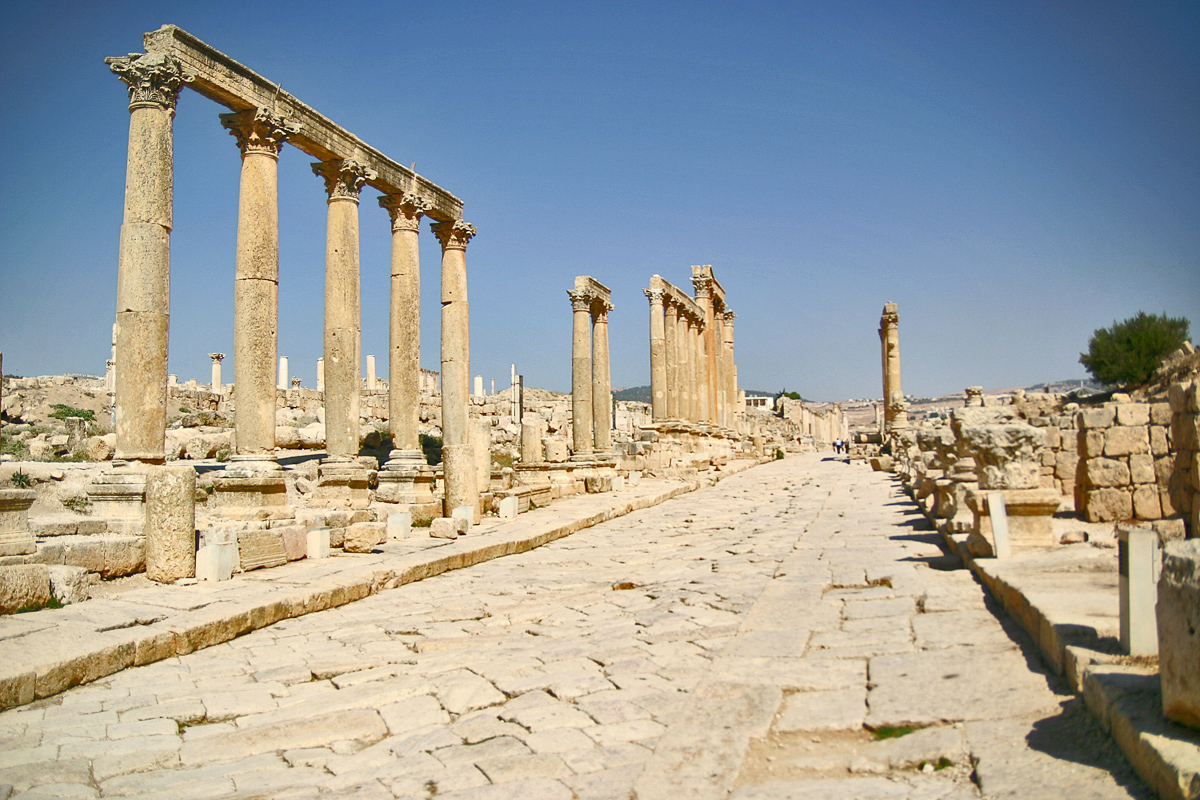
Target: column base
point(342, 483)
point(405, 479)
point(16, 539)
point(582, 458)
point(251, 487)
point(1030, 515)
point(119, 494)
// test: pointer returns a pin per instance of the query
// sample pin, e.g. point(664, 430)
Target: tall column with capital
point(216, 386)
point(671, 351)
point(405, 478)
point(702, 284)
point(658, 356)
point(344, 179)
point(581, 375)
point(729, 374)
point(718, 369)
point(601, 381)
point(144, 265)
point(693, 344)
point(895, 413)
point(702, 374)
point(457, 456)
point(260, 135)
point(683, 348)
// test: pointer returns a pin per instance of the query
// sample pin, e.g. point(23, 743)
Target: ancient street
point(735, 642)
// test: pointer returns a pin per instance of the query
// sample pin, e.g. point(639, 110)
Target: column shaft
point(457, 456)
point(601, 384)
point(671, 348)
point(404, 354)
point(685, 346)
point(658, 356)
point(581, 375)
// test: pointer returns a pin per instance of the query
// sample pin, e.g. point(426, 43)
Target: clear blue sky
point(1013, 175)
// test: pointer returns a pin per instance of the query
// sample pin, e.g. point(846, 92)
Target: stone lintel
point(673, 294)
point(237, 87)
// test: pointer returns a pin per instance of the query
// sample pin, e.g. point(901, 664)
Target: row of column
point(143, 293)
point(591, 378)
point(693, 377)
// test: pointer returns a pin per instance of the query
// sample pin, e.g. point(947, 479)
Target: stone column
point(144, 265)
point(339, 479)
point(282, 375)
point(457, 456)
point(406, 478)
point(260, 136)
point(895, 414)
point(704, 398)
point(718, 361)
point(216, 386)
point(730, 372)
point(320, 375)
point(702, 283)
point(658, 356)
point(683, 344)
point(581, 375)
point(371, 384)
point(694, 374)
point(601, 382)
point(671, 340)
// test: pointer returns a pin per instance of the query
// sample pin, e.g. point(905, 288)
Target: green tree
point(1127, 352)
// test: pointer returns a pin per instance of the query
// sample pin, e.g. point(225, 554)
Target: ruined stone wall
point(1183, 489)
point(1125, 461)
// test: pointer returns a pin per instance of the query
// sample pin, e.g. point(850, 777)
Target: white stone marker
point(214, 562)
point(466, 513)
point(318, 543)
point(282, 377)
point(999, 515)
point(508, 507)
point(618, 483)
point(399, 525)
point(1139, 564)
point(478, 386)
point(371, 384)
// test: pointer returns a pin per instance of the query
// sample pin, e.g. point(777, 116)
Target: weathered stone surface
point(24, 586)
point(1179, 631)
point(1126, 441)
point(170, 551)
point(1104, 472)
point(16, 537)
point(363, 537)
point(260, 548)
point(1005, 454)
point(1108, 505)
point(68, 584)
point(295, 541)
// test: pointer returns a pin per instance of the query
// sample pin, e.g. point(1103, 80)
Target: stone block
point(443, 528)
point(399, 525)
point(214, 562)
point(1094, 418)
point(594, 484)
point(557, 450)
point(24, 586)
point(1146, 502)
point(317, 543)
point(1065, 464)
point(1108, 505)
point(1092, 443)
point(363, 537)
point(508, 507)
point(295, 541)
point(1141, 468)
point(16, 536)
point(1029, 513)
point(635, 478)
point(1160, 413)
point(1139, 565)
point(1126, 441)
point(68, 584)
point(1105, 472)
point(1179, 631)
point(1133, 414)
point(170, 523)
point(260, 548)
point(1159, 444)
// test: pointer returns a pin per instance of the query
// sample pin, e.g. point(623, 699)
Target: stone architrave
point(144, 265)
point(170, 523)
point(581, 374)
point(457, 456)
point(405, 477)
point(260, 135)
point(658, 355)
point(340, 478)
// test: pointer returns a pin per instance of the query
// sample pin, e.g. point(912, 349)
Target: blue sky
point(1014, 175)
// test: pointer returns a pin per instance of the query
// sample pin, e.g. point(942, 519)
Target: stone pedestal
point(1179, 631)
point(119, 494)
point(408, 480)
point(251, 488)
point(342, 484)
point(16, 538)
point(1030, 517)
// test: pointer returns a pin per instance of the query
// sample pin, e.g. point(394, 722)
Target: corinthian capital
point(344, 177)
point(453, 235)
point(154, 79)
point(655, 295)
point(729, 317)
point(703, 286)
point(259, 131)
point(405, 210)
point(580, 301)
point(600, 309)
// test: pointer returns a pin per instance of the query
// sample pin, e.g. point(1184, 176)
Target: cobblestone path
point(732, 642)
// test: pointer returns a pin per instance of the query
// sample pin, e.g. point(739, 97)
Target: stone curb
point(45, 653)
point(1125, 700)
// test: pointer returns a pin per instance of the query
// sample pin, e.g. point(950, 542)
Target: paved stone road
point(729, 643)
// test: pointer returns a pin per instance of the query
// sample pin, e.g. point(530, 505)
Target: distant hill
point(637, 394)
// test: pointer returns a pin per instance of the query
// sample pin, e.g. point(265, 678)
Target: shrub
point(63, 411)
point(1127, 352)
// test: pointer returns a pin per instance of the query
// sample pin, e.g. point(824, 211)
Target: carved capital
point(580, 301)
point(453, 235)
point(890, 319)
point(154, 79)
point(703, 286)
point(655, 295)
point(600, 309)
point(259, 131)
point(729, 317)
point(344, 177)
point(405, 210)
